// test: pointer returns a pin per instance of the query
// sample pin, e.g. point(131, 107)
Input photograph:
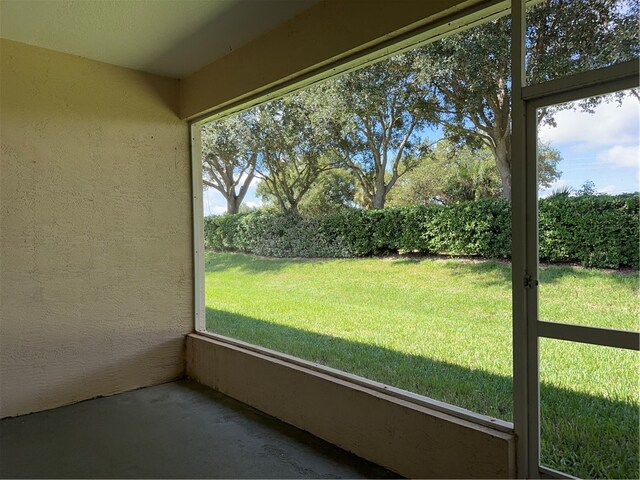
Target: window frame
point(480, 12)
point(527, 326)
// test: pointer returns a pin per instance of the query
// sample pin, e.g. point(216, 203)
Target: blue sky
point(602, 147)
point(215, 204)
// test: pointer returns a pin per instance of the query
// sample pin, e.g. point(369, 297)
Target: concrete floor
point(175, 430)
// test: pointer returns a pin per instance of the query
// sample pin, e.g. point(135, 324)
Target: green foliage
point(480, 228)
point(274, 235)
point(596, 231)
point(564, 191)
point(458, 173)
point(373, 117)
point(548, 160)
point(471, 70)
point(473, 179)
point(292, 150)
point(332, 191)
point(229, 154)
point(422, 186)
point(586, 35)
point(587, 188)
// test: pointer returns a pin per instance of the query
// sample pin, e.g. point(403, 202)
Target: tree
point(471, 70)
point(291, 152)
point(568, 36)
point(229, 158)
point(454, 173)
point(472, 176)
point(373, 119)
point(548, 160)
point(588, 188)
point(424, 184)
point(334, 190)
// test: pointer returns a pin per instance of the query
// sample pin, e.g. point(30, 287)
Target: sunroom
point(134, 345)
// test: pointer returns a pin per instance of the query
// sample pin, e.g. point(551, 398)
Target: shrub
point(597, 231)
point(273, 235)
point(480, 228)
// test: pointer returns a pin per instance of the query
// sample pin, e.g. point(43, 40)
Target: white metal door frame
point(527, 327)
point(198, 227)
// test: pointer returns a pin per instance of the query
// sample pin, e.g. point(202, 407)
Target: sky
point(215, 204)
point(603, 147)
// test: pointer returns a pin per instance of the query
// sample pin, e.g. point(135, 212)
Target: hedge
point(596, 231)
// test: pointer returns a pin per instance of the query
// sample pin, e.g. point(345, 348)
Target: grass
point(442, 328)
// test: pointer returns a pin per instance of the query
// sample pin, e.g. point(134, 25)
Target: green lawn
point(442, 328)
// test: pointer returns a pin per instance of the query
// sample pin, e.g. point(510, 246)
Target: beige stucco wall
point(329, 32)
point(95, 212)
point(412, 440)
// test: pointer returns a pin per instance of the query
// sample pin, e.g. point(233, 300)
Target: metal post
point(198, 228)
point(520, 273)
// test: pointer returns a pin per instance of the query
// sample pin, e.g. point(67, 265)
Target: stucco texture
point(328, 32)
point(95, 230)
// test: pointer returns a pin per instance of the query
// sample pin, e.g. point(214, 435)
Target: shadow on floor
point(175, 430)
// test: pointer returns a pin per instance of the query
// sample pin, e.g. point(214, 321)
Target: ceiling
point(173, 38)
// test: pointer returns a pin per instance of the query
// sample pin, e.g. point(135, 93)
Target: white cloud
point(609, 189)
point(611, 124)
point(620, 156)
point(557, 185)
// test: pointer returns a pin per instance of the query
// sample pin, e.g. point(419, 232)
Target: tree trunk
point(378, 200)
point(502, 154)
point(380, 194)
point(233, 204)
point(293, 209)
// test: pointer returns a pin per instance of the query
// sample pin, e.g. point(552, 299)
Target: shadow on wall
point(122, 368)
point(583, 434)
point(185, 55)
